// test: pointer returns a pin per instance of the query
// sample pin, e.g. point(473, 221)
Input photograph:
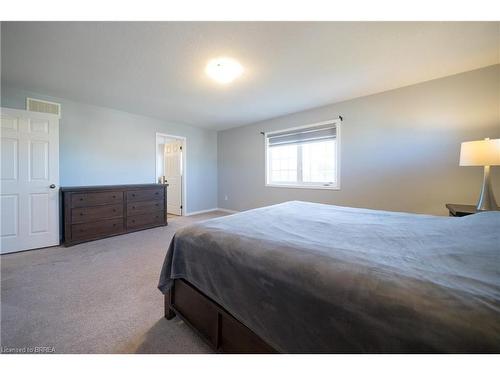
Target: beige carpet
point(97, 297)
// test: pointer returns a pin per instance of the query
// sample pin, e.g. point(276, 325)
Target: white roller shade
point(305, 135)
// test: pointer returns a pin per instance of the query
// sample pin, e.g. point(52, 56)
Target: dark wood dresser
point(94, 212)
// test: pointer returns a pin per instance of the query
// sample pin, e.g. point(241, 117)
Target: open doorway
point(171, 170)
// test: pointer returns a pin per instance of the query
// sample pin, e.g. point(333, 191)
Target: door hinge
point(180, 147)
point(181, 206)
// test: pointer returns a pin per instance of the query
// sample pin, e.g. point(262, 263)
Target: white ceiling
point(157, 68)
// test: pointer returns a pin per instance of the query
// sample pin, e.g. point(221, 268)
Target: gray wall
point(102, 146)
point(400, 148)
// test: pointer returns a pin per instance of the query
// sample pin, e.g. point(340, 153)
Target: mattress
point(314, 278)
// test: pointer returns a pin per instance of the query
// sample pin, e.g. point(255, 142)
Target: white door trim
point(184, 166)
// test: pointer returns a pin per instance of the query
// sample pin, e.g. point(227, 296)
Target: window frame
point(306, 185)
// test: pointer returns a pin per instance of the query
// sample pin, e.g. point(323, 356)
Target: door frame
point(184, 167)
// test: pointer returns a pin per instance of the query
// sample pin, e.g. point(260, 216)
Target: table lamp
point(483, 153)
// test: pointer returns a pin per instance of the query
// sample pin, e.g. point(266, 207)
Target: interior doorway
point(171, 170)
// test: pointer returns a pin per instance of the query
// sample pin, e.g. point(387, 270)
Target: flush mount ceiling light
point(223, 70)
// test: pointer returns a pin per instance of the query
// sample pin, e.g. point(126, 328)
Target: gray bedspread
point(313, 278)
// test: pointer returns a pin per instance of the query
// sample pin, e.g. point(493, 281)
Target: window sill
point(312, 187)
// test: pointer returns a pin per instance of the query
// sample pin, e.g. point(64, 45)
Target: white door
point(173, 175)
point(29, 199)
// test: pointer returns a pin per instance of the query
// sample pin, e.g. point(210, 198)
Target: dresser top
point(109, 187)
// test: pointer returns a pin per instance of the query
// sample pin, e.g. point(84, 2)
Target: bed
point(302, 277)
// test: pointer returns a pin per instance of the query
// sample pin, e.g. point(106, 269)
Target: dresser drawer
point(86, 214)
point(138, 208)
point(96, 199)
point(96, 229)
point(144, 195)
point(146, 220)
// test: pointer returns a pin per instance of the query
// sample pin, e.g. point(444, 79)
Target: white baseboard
point(200, 212)
point(210, 210)
point(227, 210)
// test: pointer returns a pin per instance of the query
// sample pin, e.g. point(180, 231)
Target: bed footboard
point(169, 313)
point(223, 332)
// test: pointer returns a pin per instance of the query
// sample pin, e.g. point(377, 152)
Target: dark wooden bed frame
point(222, 331)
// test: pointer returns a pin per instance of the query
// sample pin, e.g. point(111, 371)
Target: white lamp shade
point(480, 153)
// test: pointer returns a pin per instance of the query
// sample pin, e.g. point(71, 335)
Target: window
point(306, 157)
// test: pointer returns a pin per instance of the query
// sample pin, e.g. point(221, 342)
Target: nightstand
point(459, 210)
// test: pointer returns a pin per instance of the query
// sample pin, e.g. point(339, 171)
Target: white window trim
point(312, 186)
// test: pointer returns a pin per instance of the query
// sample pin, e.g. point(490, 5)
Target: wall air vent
point(37, 105)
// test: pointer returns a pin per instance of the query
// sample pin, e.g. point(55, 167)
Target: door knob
point(52, 186)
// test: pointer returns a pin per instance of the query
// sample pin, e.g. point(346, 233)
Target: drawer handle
point(81, 199)
point(133, 195)
point(133, 221)
point(133, 207)
point(157, 193)
point(114, 209)
point(81, 213)
point(114, 196)
point(114, 225)
point(156, 204)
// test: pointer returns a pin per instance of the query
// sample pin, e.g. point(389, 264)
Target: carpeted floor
point(97, 297)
